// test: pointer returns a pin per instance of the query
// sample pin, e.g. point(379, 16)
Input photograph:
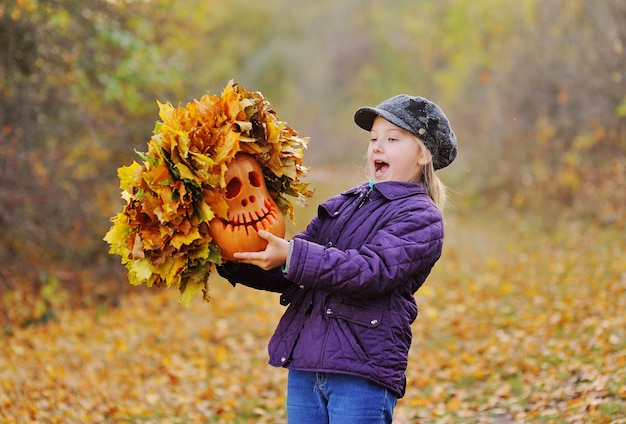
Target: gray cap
point(418, 116)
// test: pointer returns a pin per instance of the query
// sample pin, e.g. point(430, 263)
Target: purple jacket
point(350, 281)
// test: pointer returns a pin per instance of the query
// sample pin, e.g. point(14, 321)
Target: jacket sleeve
point(254, 277)
point(405, 248)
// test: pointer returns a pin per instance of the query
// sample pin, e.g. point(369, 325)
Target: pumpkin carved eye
point(255, 179)
point(233, 188)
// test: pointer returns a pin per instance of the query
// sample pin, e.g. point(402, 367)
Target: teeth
point(233, 219)
point(259, 220)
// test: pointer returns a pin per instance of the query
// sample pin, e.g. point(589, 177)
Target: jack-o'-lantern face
point(250, 209)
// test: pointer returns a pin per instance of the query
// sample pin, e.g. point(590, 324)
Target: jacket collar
point(391, 190)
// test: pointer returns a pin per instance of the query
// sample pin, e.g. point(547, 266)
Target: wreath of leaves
point(162, 233)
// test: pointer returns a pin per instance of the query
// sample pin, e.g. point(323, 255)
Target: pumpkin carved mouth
point(260, 219)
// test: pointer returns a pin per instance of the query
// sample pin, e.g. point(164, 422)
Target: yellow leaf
point(190, 290)
point(453, 404)
point(185, 172)
point(117, 235)
point(129, 176)
point(141, 271)
point(180, 239)
point(205, 214)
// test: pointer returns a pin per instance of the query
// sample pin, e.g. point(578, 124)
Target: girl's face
point(394, 154)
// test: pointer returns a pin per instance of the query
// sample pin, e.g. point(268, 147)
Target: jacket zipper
point(366, 196)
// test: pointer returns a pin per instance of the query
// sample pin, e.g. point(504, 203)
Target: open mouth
point(380, 167)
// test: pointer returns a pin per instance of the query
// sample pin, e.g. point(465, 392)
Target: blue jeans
point(319, 398)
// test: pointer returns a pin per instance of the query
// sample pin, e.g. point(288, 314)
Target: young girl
point(350, 277)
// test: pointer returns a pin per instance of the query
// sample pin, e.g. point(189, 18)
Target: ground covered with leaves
point(522, 321)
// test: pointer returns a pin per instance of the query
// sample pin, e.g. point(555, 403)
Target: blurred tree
point(555, 131)
point(78, 81)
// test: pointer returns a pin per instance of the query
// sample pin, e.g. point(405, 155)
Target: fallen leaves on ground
point(151, 360)
point(520, 322)
point(523, 322)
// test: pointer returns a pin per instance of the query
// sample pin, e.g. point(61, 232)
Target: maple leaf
point(162, 234)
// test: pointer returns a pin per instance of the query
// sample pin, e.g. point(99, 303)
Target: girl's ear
point(425, 155)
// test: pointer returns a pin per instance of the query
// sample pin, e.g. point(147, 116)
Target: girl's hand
point(275, 254)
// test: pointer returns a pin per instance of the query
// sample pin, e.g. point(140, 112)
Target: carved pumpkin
point(250, 209)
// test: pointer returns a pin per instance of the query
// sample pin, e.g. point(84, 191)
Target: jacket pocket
point(357, 313)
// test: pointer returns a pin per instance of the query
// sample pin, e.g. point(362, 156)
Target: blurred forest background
point(526, 315)
point(536, 92)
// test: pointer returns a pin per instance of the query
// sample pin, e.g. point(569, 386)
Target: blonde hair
point(434, 187)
